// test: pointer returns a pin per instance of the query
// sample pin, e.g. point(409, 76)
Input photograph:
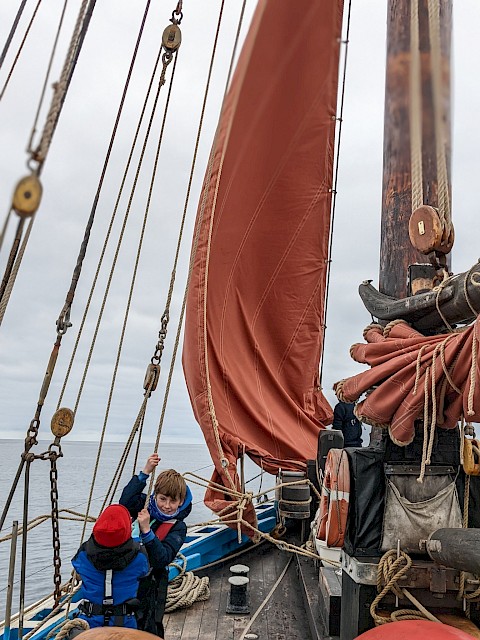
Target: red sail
point(253, 333)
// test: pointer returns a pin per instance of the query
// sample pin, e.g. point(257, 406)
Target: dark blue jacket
point(129, 563)
point(153, 590)
point(160, 553)
point(345, 420)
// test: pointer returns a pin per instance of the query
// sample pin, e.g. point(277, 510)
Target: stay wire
point(334, 189)
point(93, 211)
point(47, 75)
point(12, 31)
point(195, 241)
point(65, 313)
point(17, 55)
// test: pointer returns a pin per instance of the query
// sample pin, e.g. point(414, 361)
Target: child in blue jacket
point(162, 530)
point(110, 564)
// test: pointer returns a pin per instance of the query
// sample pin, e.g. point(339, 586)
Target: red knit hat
point(113, 527)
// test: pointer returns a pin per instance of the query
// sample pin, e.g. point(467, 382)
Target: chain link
point(162, 334)
point(177, 12)
point(57, 561)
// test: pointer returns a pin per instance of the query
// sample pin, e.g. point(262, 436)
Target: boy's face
point(167, 504)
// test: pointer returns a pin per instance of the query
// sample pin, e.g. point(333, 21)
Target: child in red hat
point(110, 564)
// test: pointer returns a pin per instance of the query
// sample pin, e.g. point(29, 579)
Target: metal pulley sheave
point(27, 196)
point(428, 232)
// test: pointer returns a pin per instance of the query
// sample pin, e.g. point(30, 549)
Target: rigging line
point(61, 87)
point(126, 451)
point(119, 242)
point(12, 255)
point(51, 123)
point(265, 601)
point(442, 172)
point(14, 63)
point(65, 313)
point(5, 227)
point(197, 231)
point(12, 31)
point(83, 247)
point(195, 243)
point(47, 75)
point(142, 233)
point(334, 191)
point(415, 109)
point(137, 449)
point(13, 275)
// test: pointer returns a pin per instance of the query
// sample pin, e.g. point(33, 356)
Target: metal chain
point(57, 561)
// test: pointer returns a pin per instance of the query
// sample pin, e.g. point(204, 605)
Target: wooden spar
point(396, 250)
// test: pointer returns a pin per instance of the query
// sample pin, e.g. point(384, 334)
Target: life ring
point(334, 499)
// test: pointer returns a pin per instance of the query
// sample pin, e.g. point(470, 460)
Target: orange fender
point(334, 499)
point(415, 630)
point(116, 633)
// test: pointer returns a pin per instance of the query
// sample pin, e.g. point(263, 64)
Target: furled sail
point(412, 376)
point(253, 333)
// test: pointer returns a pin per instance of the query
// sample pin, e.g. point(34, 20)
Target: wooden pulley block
point(151, 377)
point(426, 230)
point(172, 37)
point(62, 422)
point(447, 240)
point(27, 196)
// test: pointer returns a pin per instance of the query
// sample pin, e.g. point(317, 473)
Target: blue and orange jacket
point(129, 563)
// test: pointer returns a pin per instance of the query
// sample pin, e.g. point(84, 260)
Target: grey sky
point(73, 168)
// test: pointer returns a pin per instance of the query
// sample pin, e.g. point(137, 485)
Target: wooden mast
point(396, 250)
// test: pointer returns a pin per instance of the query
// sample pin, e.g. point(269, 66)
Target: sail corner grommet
point(62, 422)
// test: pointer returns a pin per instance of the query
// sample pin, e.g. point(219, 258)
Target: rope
point(61, 88)
point(442, 174)
point(333, 191)
point(265, 601)
point(47, 75)
point(66, 627)
point(12, 31)
point(4, 88)
point(391, 568)
point(200, 217)
point(186, 589)
point(462, 595)
point(415, 109)
point(16, 267)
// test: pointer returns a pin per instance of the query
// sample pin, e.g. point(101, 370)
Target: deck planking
point(282, 618)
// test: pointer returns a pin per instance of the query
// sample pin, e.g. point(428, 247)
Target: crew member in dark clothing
point(347, 422)
point(110, 564)
point(162, 530)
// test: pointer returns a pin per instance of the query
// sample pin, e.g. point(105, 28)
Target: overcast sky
point(72, 171)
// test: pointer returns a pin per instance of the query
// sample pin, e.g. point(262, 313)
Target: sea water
point(75, 471)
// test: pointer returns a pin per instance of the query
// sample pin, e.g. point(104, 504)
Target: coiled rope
point(186, 588)
point(391, 568)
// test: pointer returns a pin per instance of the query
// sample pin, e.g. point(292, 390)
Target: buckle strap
point(94, 609)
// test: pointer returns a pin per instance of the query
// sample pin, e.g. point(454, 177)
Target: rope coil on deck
point(391, 568)
point(186, 588)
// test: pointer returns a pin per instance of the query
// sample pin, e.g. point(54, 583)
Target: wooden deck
point(283, 618)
